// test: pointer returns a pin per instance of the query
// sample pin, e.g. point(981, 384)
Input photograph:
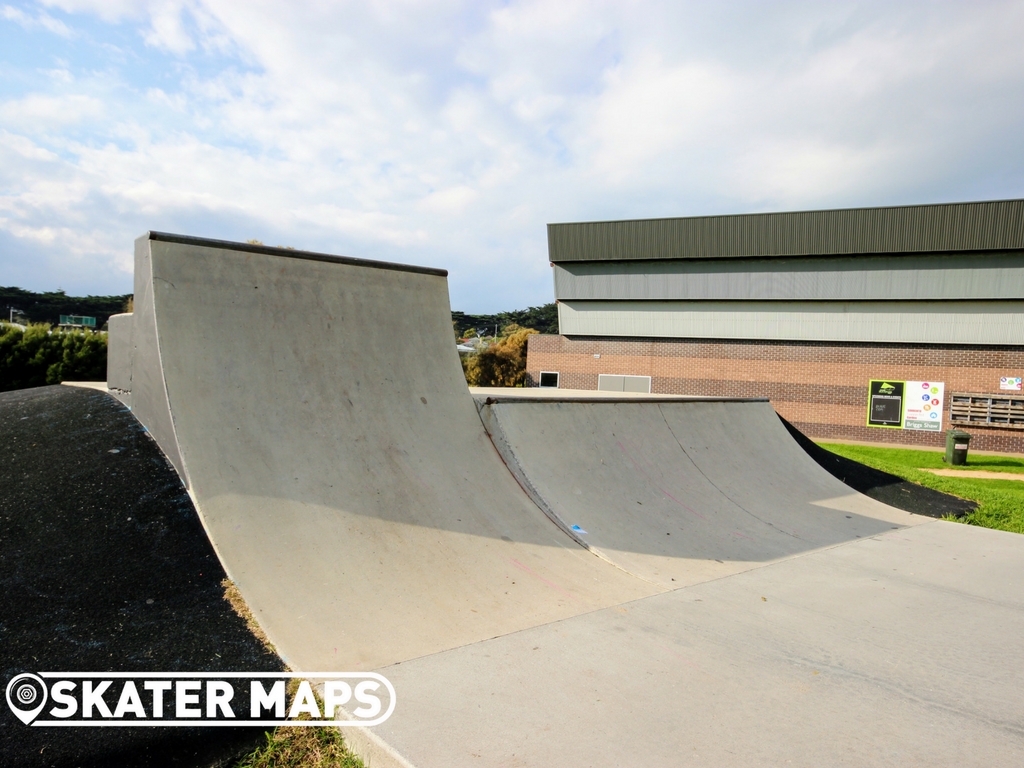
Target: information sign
point(922, 405)
point(885, 403)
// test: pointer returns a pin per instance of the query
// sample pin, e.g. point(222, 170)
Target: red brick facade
point(820, 387)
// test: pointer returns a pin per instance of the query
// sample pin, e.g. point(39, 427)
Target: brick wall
point(821, 387)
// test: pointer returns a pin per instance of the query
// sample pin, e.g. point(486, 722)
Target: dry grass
point(302, 747)
point(305, 747)
point(234, 597)
point(290, 747)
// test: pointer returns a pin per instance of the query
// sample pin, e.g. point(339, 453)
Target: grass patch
point(290, 747)
point(234, 597)
point(1000, 502)
point(305, 747)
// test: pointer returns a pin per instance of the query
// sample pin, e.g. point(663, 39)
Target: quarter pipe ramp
point(678, 492)
point(316, 408)
point(656, 583)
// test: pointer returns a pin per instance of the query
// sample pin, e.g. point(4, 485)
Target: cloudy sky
point(450, 133)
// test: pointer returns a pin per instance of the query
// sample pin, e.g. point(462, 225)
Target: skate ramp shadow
point(704, 480)
point(882, 486)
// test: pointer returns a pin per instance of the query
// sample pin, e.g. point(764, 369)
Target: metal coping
point(490, 400)
point(288, 253)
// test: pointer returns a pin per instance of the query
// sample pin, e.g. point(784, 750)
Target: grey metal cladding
point(949, 227)
point(907, 322)
point(984, 275)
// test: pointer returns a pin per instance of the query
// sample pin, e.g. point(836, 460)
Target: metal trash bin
point(957, 442)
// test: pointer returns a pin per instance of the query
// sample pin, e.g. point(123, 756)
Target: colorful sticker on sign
point(923, 411)
point(1010, 382)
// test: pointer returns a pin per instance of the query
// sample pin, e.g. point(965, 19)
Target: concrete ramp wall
point(317, 410)
point(678, 492)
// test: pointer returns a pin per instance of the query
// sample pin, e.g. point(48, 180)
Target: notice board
point(905, 404)
point(885, 403)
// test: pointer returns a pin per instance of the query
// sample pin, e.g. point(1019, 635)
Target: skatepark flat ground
point(626, 581)
point(896, 650)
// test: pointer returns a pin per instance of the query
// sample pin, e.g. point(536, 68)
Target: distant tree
point(501, 364)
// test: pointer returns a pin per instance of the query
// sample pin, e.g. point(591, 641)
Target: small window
point(549, 379)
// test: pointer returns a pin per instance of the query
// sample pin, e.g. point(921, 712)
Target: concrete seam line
point(372, 749)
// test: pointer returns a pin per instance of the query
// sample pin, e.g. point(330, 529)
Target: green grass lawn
point(1000, 502)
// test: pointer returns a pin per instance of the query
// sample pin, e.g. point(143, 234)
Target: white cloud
point(167, 29)
point(448, 201)
point(450, 133)
point(649, 110)
point(41, 113)
point(41, 20)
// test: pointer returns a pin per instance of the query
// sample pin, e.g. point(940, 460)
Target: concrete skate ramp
point(678, 492)
point(318, 412)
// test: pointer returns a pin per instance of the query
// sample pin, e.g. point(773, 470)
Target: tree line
point(542, 319)
point(47, 307)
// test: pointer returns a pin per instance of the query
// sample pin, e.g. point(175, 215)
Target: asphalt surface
point(104, 566)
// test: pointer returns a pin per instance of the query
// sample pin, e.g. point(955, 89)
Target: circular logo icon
point(926, 397)
point(935, 401)
point(935, 390)
point(26, 696)
point(926, 407)
point(934, 414)
point(925, 385)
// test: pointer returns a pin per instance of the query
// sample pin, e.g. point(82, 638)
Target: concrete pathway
point(979, 474)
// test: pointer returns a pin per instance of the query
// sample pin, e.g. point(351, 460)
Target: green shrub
point(40, 355)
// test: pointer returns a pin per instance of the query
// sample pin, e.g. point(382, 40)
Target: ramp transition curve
point(316, 409)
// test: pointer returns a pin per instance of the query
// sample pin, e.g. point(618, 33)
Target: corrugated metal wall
point(967, 322)
point(905, 229)
point(918, 277)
